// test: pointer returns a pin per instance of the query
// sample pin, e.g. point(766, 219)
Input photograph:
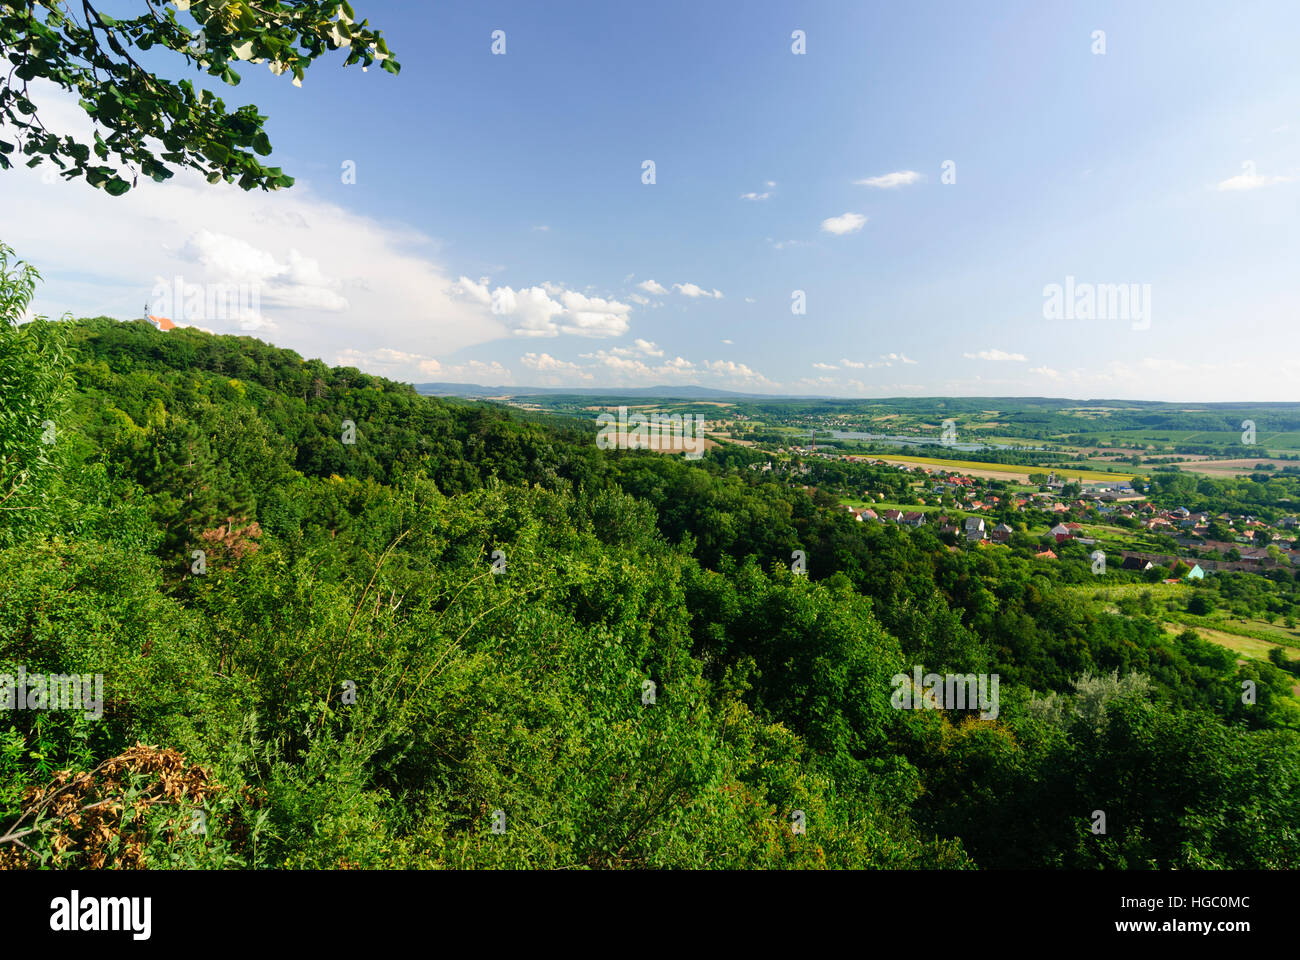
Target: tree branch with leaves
point(144, 123)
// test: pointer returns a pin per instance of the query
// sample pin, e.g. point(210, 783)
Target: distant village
point(1206, 543)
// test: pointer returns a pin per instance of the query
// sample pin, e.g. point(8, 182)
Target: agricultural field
point(1230, 468)
point(1005, 471)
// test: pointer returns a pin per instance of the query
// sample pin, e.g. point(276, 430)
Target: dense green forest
point(357, 627)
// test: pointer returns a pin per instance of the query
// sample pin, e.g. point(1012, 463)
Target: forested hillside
point(468, 640)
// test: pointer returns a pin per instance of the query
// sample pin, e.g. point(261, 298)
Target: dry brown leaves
point(231, 540)
point(86, 812)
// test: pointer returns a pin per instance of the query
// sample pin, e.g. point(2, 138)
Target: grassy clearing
point(1248, 648)
point(1260, 631)
point(1112, 593)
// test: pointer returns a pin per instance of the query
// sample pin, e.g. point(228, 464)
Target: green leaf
point(216, 152)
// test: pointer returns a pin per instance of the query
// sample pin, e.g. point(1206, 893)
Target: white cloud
point(328, 279)
point(478, 371)
point(298, 284)
point(887, 181)
point(738, 373)
point(825, 366)
point(417, 368)
point(852, 364)
point(887, 360)
point(622, 367)
point(691, 290)
point(844, 223)
point(649, 286)
point(535, 311)
point(643, 348)
point(1149, 378)
point(395, 364)
point(1252, 181)
point(553, 370)
point(593, 316)
point(996, 355)
point(755, 196)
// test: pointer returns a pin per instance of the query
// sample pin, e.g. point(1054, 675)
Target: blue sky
point(498, 230)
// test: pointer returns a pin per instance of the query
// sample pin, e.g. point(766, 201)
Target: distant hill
point(687, 392)
point(950, 404)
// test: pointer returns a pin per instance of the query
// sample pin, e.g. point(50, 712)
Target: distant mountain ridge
point(955, 404)
point(688, 392)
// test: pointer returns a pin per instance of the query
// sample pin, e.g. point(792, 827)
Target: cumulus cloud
point(384, 362)
point(299, 283)
point(329, 280)
point(845, 223)
point(996, 355)
point(416, 368)
point(623, 366)
point(649, 286)
point(549, 310)
point(738, 372)
point(552, 369)
point(641, 348)
point(691, 290)
point(593, 316)
point(887, 181)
